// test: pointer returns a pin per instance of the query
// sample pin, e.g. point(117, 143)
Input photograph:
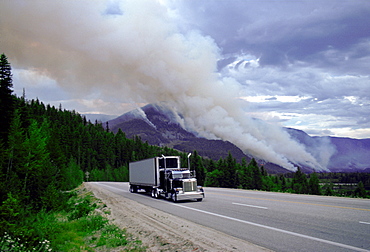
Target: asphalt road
point(278, 221)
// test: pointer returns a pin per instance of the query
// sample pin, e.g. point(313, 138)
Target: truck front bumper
point(190, 195)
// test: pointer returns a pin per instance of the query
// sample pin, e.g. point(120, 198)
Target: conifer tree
point(360, 190)
point(256, 175)
point(314, 184)
point(283, 182)
point(16, 158)
point(197, 165)
point(6, 98)
point(228, 169)
point(245, 175)
point(214, 178)
point(299, 183)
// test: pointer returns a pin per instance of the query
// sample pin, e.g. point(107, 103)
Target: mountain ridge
point(157, 125)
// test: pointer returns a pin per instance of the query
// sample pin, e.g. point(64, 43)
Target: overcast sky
point(305, 64)
point(299, 64)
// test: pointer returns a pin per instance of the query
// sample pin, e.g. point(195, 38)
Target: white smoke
point(140, 113)
point(139, 55)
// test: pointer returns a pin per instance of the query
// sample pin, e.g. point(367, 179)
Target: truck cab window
point(170, 163)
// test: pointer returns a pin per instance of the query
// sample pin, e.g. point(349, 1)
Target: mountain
point(158, 126)
point(343, 154)
point(351, 155)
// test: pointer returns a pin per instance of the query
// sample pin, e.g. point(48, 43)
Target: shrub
point(81, 209)
point(111, 237)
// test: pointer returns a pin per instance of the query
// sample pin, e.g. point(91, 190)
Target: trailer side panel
point(144, 173)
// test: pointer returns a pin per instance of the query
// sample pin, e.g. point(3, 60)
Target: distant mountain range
point(157, 126)
point(347, 154)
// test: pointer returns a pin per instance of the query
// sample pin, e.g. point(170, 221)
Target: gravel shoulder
point(160, 231)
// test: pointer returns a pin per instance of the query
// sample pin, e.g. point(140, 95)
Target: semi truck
point(163, 177)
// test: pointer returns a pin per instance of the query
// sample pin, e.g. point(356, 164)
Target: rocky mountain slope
point(156, 125)
point(157, 128)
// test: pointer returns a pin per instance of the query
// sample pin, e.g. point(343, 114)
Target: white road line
point(276, 229)
point(363, 222)
point(249, 205)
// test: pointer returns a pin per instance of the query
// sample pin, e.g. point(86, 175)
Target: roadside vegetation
point(80, 225)
point(46, 152)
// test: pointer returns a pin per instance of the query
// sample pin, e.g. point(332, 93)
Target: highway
point(277, 221)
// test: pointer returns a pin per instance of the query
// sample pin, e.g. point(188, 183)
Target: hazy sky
point(305, 64)
point(300, 64)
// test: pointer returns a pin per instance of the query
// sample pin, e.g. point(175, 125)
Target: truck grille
point(190, 186)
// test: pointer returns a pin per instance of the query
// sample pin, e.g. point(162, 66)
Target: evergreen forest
point(47, 151)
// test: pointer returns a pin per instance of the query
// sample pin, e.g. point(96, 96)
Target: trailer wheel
point(133, 189)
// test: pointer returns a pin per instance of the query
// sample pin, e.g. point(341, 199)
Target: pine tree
point(211, 166)
point(197, 165)
point(245, 175)
point(314, 184)
point(283, 182)
point(214, 178)
point(228, 169)
point(360, 190)
point(299, 183)
point(329, 189)
point(38, 169)
point(6, 98)
point(15, 166)
point(256, 175)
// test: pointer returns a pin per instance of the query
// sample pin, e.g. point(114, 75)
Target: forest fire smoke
point(136, 54)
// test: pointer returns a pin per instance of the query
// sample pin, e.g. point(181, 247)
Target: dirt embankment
point(160, 231)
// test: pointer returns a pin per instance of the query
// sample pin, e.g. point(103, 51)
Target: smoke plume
point(134, 52)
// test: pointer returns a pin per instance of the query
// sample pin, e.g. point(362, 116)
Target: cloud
point(39, 85)
point(279, 32)
point(315, 91)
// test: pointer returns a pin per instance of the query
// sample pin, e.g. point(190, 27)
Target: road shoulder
point(161, 231)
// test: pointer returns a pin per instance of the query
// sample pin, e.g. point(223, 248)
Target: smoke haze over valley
point(113, 56)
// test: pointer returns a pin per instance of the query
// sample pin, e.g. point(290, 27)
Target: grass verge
point(81, 226)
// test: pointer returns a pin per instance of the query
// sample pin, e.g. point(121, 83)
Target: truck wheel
point(174, 197)
point(155, 193)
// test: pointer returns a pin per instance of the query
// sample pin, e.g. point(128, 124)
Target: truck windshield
point(170, 163)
